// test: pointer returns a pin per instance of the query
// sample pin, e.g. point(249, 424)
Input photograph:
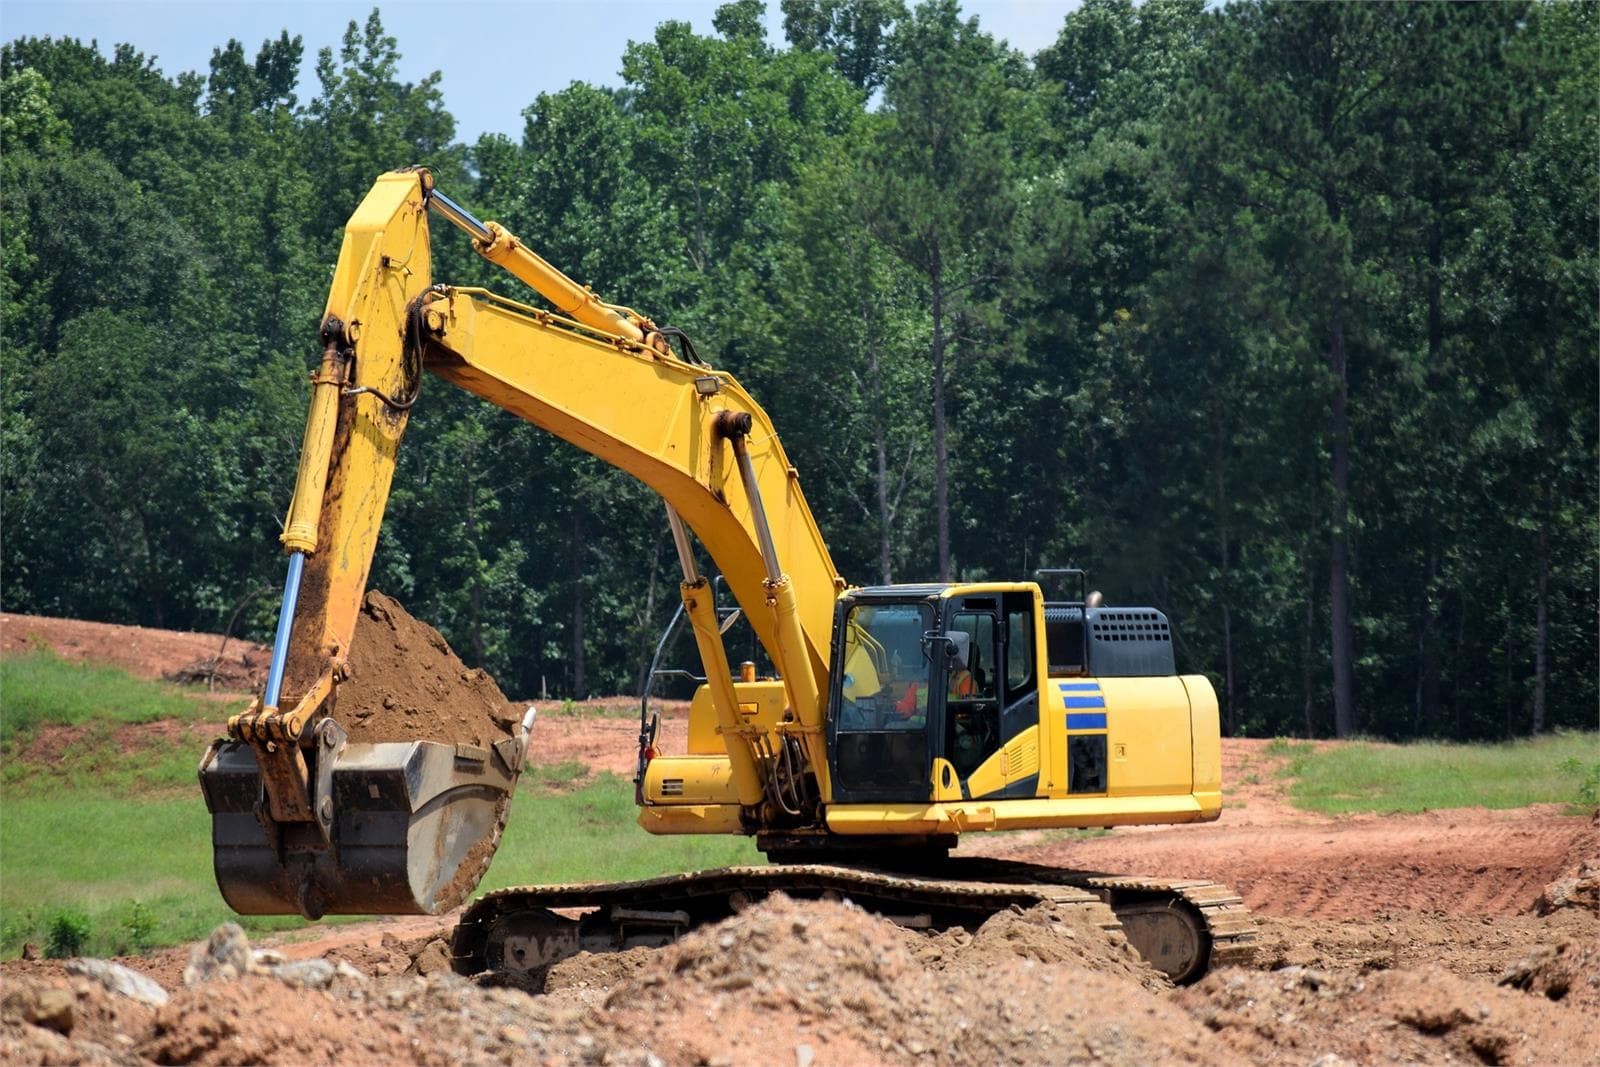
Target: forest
point(1279, 317)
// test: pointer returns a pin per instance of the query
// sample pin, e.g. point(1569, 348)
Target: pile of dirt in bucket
point(405, 684)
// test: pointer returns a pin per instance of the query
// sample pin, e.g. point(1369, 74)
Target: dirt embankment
point(813, 983)
point(169, 655)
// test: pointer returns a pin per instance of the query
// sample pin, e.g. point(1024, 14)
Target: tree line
point(1279, 317)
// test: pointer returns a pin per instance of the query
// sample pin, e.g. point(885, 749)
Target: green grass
point(590, 834)
point(138, 871)
point(39, 690)
point(611, 709)
point(40, 687)
point(1423, 776)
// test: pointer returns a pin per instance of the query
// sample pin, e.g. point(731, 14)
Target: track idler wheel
point(1170, 935)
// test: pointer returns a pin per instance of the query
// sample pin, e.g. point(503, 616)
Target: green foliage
point(69, 933)
point(1424, 776)
point(140, 926)
point(1588, 777)
point(1282, 746)
point(1006, 312)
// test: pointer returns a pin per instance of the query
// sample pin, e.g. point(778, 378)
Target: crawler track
point(1182, 927)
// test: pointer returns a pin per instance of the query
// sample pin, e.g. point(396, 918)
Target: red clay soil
point(1465, 861)
point(143, 652)
point(594, 734)
point(820, 983)
point(405, 684)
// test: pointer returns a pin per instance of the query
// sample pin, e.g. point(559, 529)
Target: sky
point(495, 56)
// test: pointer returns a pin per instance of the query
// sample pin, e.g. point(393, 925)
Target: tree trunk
point(475, 623)
point(1342, 636)
point(941, 455)
point(647, 638)
point(1425, 701)
point(880, 434)
point(1306, 648)
point(1425, 706)
point(1541, 637)
point(1463, 671)
point(579, 682)
point(1508, 678)
point(1541, 640)
point(1230, 721)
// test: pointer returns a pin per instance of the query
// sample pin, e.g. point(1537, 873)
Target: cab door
point(1019, 717)
point(878, 730)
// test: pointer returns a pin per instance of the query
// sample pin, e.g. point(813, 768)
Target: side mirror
point(957, 645)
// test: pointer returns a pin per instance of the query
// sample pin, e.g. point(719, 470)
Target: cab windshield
point(885, 683)
point(880, 741)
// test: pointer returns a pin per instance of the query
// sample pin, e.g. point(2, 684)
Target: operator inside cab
point(962, 685)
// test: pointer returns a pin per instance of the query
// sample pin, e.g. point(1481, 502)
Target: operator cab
point(934, 680)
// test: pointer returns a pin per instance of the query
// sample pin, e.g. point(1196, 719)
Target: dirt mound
point(240, 671)
point(141, 651)
point(1579, 885)
point(1044, 934)
point(261, 1020)
point(405, 684)
point(1299, 1015)
point(815, 982)
point(1568, 972)
point(791, 981)
point(1480, 947)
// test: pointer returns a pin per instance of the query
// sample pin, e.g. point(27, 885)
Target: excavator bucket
point(412, 828)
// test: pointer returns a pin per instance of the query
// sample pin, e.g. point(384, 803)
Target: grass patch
point(108, 875)
point(590, 834)
point(40, 687)
point(555, 776)
point(573, 709)
point(1282, 746)
point(96, 763)
point(1424, 776)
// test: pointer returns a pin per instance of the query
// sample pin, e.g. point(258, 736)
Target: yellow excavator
point(897, 717)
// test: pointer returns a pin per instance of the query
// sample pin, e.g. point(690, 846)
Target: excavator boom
point(305, 821)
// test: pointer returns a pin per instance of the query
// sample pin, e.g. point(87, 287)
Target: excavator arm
point(305, 821)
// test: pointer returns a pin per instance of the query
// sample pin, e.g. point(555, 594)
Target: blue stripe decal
point(1087, 722)
point(1078, 687)
point(1096, 701)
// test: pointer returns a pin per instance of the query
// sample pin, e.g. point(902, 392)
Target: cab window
point(1019, 650)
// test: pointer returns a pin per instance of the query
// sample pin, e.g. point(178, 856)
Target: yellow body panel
point(761, 705)
point(989, 777)
point(1035, 813)
point(694, 819)
point(676, 781)
point(1150, 752)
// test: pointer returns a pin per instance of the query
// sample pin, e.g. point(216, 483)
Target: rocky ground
point(1460, 936)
